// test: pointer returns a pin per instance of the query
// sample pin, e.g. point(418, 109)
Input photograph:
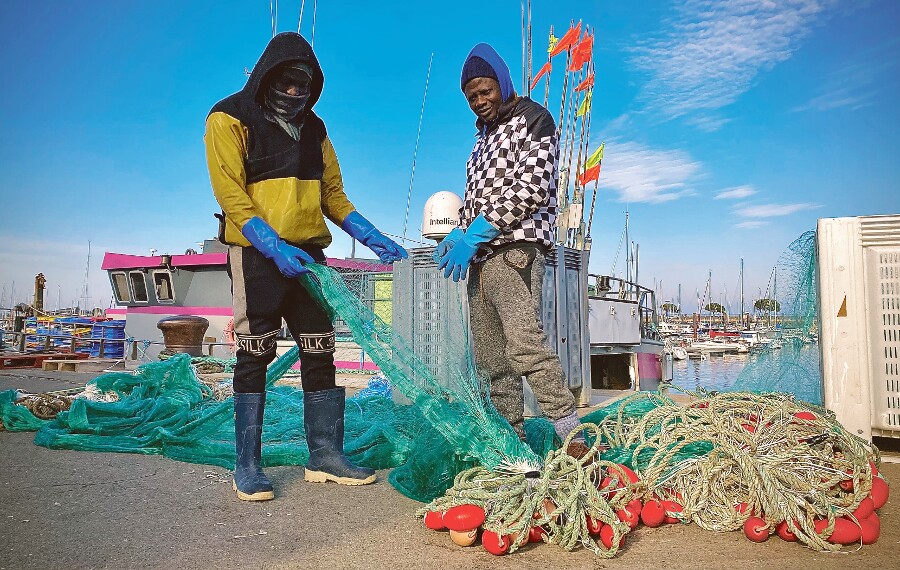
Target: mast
point(742, 293)
point(725, 307)
point(627, 250)
point(637, 251)
point(85, 291)
point(775, 297)
point(525, 84)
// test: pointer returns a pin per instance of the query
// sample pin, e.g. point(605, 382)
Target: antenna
point(300, 19)
point(273, 12)
point(312, 39)
point(412, 174)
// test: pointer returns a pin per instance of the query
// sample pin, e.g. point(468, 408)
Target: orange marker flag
point(581, 54)
point(567, 41)
point(546, 69)
point(586, 84)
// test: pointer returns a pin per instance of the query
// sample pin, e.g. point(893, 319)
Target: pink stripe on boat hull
point(172, 310)
point(125, 261)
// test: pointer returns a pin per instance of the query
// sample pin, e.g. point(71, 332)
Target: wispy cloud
point(715, 50)
point(772, 210)
point(854, 85)
point(642, 174)
point(736, 193)
point(751, 224)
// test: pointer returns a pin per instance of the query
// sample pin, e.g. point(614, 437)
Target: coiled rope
point(557, 498)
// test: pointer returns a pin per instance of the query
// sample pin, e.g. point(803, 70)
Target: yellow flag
point(553, 41)
point(585, 105)
point(595, 158)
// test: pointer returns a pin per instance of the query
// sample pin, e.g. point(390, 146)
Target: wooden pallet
point(93, 365)
point(35, 360)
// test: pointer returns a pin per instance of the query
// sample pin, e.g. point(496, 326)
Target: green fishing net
point(790, 363)
point(425, 424)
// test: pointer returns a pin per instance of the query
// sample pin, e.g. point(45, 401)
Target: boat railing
point(616, 289)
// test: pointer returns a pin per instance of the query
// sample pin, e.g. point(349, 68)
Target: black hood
point(286, 46)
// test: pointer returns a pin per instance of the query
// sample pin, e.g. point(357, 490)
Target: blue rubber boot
point(249, 480)
point(323, 416)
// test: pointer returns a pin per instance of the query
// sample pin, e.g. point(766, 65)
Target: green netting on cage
point(791, 362)
point(443, 423)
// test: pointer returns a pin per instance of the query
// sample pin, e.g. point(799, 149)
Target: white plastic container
point(859, 322)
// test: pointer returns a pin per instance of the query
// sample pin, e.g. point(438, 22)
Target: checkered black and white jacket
point(511, 175)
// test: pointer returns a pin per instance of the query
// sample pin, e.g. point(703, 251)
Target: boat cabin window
point(162, 284)
point(120, 287)
point(138, 286)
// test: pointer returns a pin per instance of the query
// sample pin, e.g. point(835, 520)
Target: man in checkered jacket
point(506, 225)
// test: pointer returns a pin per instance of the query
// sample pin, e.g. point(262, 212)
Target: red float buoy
point(756, 529)
point(670, 508)
point(606, 537)
point(626, 515)
point(462, 518)
point(870, 529)
point(536, 534)
point(653, 514)
point(865, 509)
point(785, 533)
point(880, 492)
point(494, 543)
point(435, 520)
point(845, 532)
point(593, 525)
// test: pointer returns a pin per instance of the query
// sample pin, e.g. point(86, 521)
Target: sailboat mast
point(627, 250)
point(742, 293)
point(775, 296)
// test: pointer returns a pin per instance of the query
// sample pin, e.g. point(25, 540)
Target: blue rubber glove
point(447, 244)
point(455, 262)
point(289, 259)
point(361, 229)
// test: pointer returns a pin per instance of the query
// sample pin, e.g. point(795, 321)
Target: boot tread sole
point(323, 477)
point(257, 496)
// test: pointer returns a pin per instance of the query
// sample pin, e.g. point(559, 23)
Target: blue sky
point(730, 127)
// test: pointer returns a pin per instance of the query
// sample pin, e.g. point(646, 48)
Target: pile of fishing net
point(424, 426)
point(766, 463)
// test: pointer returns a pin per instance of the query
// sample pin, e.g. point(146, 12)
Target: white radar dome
point(441, 215)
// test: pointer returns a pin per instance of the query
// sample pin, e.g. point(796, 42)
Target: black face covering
point(285, 106)
point(289, 77)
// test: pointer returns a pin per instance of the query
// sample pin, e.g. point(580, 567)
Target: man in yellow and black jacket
point(276, 176)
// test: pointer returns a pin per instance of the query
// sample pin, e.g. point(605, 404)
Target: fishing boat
point(149, 288)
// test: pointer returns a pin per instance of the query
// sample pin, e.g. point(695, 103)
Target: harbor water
point(719, 372)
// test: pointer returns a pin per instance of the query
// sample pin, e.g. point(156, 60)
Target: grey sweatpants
point(509, 341)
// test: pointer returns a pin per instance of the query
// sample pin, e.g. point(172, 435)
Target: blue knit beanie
point(484, 61)
point(477, 67)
